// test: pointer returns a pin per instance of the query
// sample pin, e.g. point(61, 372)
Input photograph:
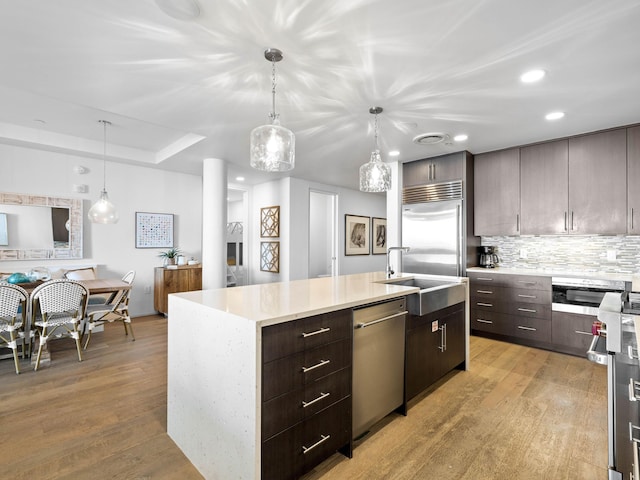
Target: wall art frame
point(356, 235)
point(154, 230)
point(270, 222)
point(378, 236)
point(270, 257)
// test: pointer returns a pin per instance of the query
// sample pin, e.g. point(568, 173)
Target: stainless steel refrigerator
point(434, 233)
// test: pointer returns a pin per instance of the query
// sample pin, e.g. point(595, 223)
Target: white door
point(323, 234)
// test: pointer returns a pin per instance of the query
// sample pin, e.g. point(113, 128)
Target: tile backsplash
point(584, 253)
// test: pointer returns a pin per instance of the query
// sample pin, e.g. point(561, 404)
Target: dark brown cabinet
point(516, 306)
point(435, 345)
point(306, 393)
point(433, 170)
point(544, 188)
point(497, 193)
point(633, 180)
point(571, 333)
point(181, 279)
point(598, 183)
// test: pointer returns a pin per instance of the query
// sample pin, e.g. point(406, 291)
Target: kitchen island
point(215, 386)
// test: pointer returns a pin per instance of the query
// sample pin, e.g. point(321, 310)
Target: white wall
point(132, 189)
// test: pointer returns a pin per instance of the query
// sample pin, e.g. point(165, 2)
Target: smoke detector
point(431, 138)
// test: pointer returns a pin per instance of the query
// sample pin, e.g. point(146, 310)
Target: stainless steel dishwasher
point(378, 362)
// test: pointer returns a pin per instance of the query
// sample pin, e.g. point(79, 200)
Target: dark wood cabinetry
point(435, 345)
point(633, 180)
point(544, 188)
point(497, 193)
point(571, 333)
point(181, 279)
point(597, 183)
point(434, 170)
point(306, 393)
point(516, 306)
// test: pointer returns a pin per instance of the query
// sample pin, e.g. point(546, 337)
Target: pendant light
point(103, 211)
point(272, 145)
point(375, 176)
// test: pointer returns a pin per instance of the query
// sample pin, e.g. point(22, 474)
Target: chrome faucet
point(389, 269)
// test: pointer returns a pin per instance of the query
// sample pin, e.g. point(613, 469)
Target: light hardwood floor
point(519, 413)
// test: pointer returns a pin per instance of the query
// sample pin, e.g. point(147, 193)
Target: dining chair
point(58, 304)
point(87, 273)
point(115, 310)
point(13, 318)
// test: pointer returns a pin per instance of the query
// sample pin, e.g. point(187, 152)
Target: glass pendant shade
point(375, 176)
point(273, 148)
point(103, 211)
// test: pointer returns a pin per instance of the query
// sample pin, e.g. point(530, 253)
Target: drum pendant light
point(375, 176)
point(272, 145)
point(103, 211)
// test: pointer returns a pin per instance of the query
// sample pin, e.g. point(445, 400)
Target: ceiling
point(178, 90)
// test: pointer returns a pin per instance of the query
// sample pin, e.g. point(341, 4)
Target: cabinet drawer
point(286, 410)
point(302, 447)
point(295, 336)
point(533, 282)
point(531, 329)
point(489, 321)
point(295, 371)
point(488, 293)
point(488, 278)
point(527, 295)
point(533, 310)
point(571, 331)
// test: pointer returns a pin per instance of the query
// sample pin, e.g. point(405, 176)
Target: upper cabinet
point(433, 170)
point(497, 193)
point(633, 180)
point(598, 183)
point(544, 188)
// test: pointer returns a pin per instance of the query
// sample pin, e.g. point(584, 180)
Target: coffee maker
point(488, 258)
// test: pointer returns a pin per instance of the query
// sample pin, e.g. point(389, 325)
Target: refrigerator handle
point(458, 242)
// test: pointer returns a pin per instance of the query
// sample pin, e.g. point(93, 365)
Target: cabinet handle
point(429, 174)
point(480, 304)
point(443, 338)
point(528, 329)
point(317, 365)
point(631, 218)
point(487, 292)
point(526, 282)
point(634, 388)
point(572, 226)
point(566, 227)
point(527, 296)
point(517, 222)
point(322, 330)
point(322, 395)
point(483, 321)
point(323, 438)
point(485, 279)
point(434, 171)
point(528, 310)
point(584, 333)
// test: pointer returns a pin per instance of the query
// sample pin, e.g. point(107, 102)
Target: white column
point(394, 213)
point(214, 223)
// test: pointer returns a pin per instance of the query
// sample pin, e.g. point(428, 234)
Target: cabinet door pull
point(528, 329)
point(311, 334)
point(526, 296)
point(528, 310)
point(631, 218)
point(526, 282)
point(566, 227)
point(322, 395)
point(572, 226)
point(443, 338)
point(517, 222)
point(313, 367)
point(485, 279)
point(434, 171)
point(486, 292)
point(323, 438)
point(579, 332)
point(480, 304)
point(483, 321)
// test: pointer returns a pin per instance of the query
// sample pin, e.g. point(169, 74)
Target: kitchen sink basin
point(435, 294)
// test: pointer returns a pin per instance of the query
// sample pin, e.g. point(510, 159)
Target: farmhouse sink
point(435, 293)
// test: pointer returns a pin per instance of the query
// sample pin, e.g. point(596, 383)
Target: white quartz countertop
point(272, 303)
point(626, 277)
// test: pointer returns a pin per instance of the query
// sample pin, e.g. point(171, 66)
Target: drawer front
point(302, 447)
point(488, 293)
point(532, 310)
point(490, 321)
point(291, 337)
point(531, 282)
point(529, 296)
point(488, 278)
point(572, 331)
point(531, 329)
point(295, 371)
point(286, 410)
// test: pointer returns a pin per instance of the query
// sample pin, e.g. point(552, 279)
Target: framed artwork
point(379, 236)
point(356, 235)
point(270, 257)
point(270, 222)
point(154, 230)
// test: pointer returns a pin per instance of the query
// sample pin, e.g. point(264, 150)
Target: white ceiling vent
point(431, 138)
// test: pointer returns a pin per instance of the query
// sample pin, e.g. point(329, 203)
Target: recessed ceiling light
point(554, 115)
point(240, 179)
point(394, 153)
point(460, 138)
point(532, 76)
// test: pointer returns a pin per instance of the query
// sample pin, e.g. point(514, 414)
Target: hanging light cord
point(375, 131)
point(104, 157)
point(273, 114)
